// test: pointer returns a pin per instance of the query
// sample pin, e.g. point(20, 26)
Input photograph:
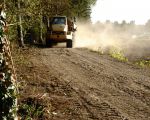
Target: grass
point(143, 63)
point(28, 108)
point(117, 54)
point(19, 58)
point(31, 108)
point(113, 52)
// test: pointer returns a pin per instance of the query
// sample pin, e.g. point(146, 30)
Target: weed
point(31, 109)
point(118, 54)
point(143, 63)
point(113, 52)
point(20, 58)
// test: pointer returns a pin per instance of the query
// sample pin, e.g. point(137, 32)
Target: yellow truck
point(60, 29)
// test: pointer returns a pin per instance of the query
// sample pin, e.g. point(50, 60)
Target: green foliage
point(31, 109)
point(82, 8)
point(8, 89)
point(143, 63)
point(118, 54)
point(32, 11)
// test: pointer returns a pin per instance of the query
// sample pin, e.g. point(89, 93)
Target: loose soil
point(79, 84)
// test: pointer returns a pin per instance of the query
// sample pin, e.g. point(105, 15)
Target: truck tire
point(69, 43)
point(48, 43)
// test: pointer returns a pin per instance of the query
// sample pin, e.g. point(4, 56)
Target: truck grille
point(58, 33)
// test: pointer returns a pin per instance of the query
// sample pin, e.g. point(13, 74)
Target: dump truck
point(61, 29)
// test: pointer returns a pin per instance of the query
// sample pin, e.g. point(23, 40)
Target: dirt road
point(84, 85)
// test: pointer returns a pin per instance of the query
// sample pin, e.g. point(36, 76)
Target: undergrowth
point(118, 54)
point(31, 108)
point(18, 56)
point(143, 63)
point(113, 52)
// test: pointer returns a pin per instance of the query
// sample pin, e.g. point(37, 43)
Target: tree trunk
point(4, 4)
point(19, 26)
point(41, 29)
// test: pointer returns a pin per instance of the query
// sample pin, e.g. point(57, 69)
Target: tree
point(19, 26)
point(29, 14)
point(82, 8)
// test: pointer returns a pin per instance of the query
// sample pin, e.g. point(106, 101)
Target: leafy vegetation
point(115, 53)
point(8, 90)
point(143, 63)
point(31, 109)
point(118, 54)
point(27, 18)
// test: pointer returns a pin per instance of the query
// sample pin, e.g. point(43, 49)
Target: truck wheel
point(69, 44)
point(48, 43)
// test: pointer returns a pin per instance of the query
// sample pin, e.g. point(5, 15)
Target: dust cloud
point(133, 40)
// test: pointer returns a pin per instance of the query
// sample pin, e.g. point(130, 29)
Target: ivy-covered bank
point(8, 91)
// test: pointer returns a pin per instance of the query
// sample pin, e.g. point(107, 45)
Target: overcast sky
point(118, 10)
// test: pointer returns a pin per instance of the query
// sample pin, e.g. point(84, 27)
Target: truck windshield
point(59, 20)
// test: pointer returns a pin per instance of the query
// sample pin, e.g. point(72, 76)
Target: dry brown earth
point(78, 84)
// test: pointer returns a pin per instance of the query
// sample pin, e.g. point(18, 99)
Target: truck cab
point(60, 29)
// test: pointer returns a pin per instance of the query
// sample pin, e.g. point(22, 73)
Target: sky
point(118, 10)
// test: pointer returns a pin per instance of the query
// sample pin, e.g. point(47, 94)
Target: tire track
point(116, 85)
